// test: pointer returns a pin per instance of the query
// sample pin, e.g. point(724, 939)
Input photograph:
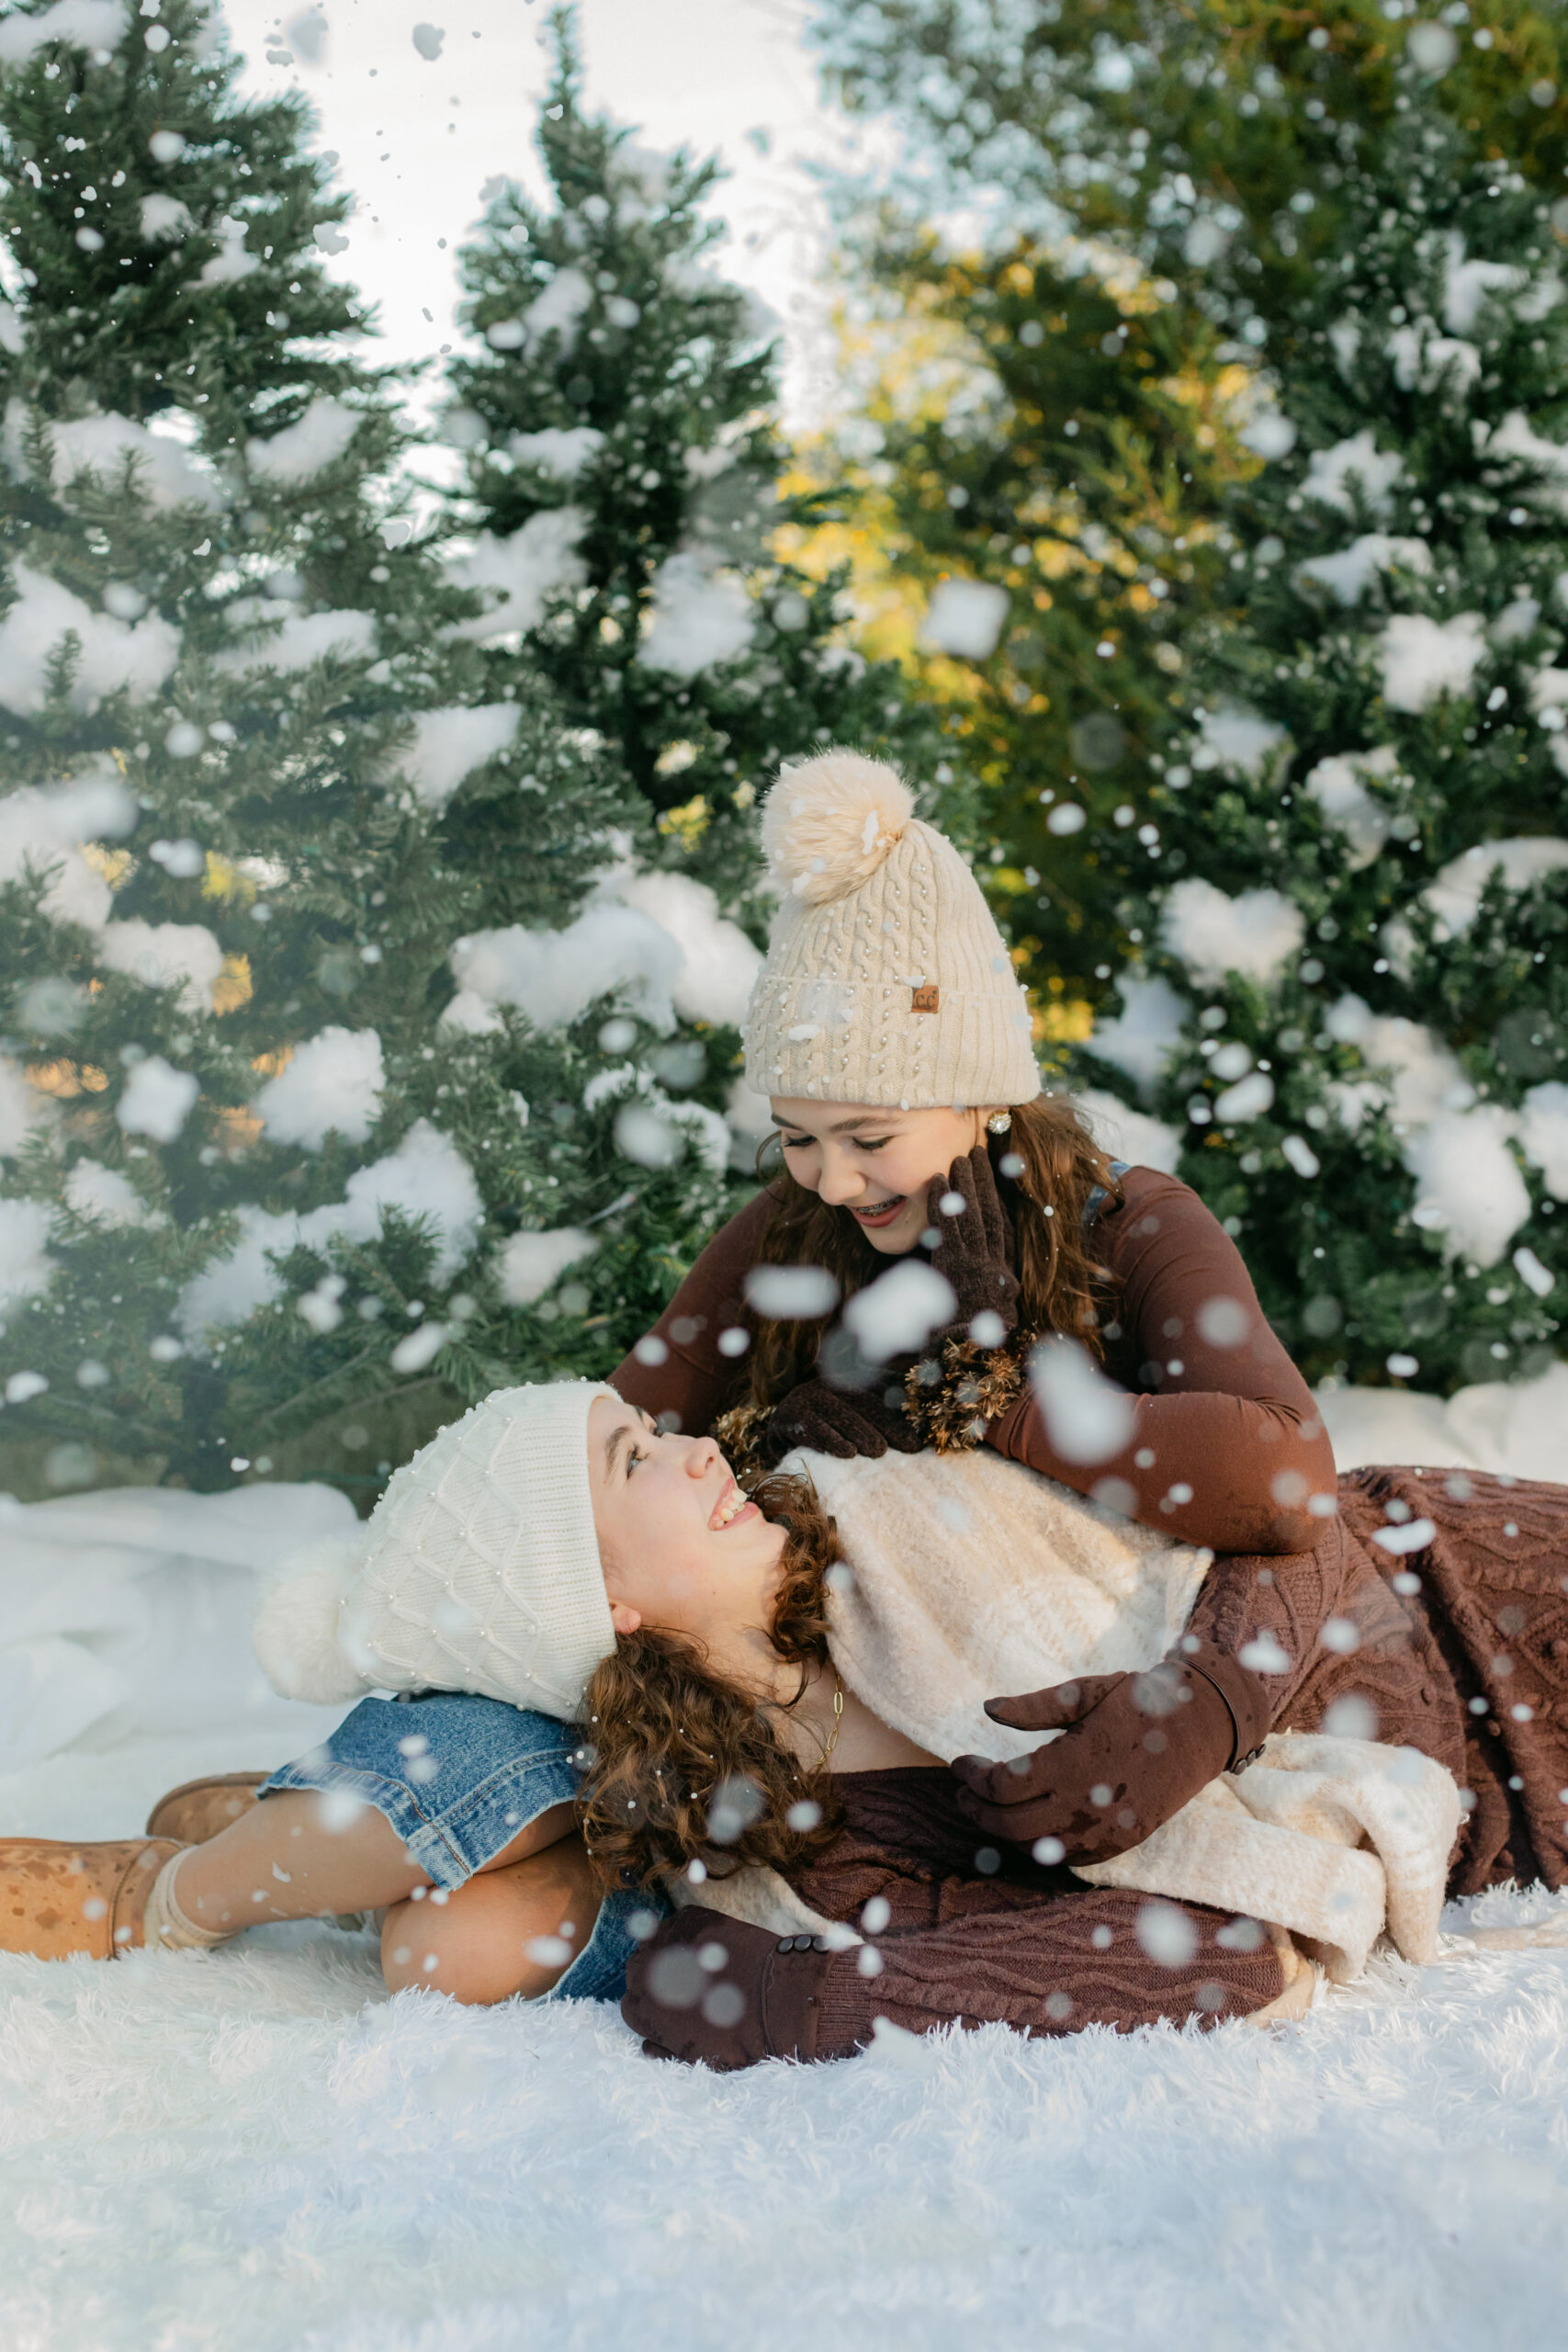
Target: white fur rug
point(259, 2151)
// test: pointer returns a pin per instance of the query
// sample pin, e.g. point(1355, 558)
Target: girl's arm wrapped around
point(1226, 1448)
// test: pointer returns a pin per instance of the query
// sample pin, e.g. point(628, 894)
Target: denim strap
point(1101, 1192)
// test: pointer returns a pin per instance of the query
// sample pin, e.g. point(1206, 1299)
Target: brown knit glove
point(716, 1992)
point(974, 1254)
point(1133, 1748)
point(838, 1421)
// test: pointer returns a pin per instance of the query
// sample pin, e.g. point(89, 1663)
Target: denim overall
point(458, 1777)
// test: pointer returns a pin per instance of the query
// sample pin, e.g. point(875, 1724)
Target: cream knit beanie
point(477, 1570)
point(886, 980)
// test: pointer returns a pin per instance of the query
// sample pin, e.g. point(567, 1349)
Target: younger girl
point(553, 1542)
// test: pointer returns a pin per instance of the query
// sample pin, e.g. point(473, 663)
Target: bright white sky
point(417, 139)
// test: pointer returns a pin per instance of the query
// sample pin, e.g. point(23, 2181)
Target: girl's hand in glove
point(1132, 1749)
point(974, 1254)
point(718, 1992)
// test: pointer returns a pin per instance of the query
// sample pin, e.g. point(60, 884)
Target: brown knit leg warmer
point(1073, 1961)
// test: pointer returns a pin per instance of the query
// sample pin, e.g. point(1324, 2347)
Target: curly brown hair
point(683, 1765)
point(1062, 1287)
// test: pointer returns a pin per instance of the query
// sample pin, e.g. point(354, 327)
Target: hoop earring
point(1000, 1122)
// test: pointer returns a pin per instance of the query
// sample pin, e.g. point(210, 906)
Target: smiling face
point(682, 1549)
point(873, 1164)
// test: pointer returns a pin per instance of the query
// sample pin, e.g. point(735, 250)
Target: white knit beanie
point(886, 980)
point(479, 1569)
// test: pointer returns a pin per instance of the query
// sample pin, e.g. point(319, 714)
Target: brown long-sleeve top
point(1227, 1447)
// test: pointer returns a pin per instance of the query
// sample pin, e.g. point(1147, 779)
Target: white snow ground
point(256, 2150)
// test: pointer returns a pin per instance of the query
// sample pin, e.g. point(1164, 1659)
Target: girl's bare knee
point(508, 1934)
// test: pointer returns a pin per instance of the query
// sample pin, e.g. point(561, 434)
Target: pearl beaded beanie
point(477, 1570)
point(886, 980)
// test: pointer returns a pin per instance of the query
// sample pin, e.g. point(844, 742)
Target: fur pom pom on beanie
point(477, 1570)
point(886, 980)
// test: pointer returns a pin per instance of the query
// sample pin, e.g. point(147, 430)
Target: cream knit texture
point(948, 1555)
point(886, 980)
point(1335, 1839)
point(477, 1570)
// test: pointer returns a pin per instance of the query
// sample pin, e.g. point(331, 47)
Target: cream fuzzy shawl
point(966, 1576)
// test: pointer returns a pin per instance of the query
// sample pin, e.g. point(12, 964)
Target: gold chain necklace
point(838, 1714)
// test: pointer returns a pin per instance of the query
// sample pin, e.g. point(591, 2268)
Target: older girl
point(893, 1041)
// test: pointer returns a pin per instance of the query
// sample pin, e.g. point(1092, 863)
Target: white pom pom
point(827, 824)
point(295, 1629)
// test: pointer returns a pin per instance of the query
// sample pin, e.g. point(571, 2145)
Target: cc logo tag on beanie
point(926, 998)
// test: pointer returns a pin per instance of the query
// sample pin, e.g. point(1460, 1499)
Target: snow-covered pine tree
point(623, 448)
point(1356, 1001)
point(1158, 183)
point(259, 775)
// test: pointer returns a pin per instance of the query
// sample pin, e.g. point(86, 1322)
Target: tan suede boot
point(197, 1810)
point(59, 1900)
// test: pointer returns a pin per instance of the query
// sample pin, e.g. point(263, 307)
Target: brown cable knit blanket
point(1471, 1667)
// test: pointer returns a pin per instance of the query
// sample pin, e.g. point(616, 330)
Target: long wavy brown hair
point(1062, 1286)
point(685, 1766)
